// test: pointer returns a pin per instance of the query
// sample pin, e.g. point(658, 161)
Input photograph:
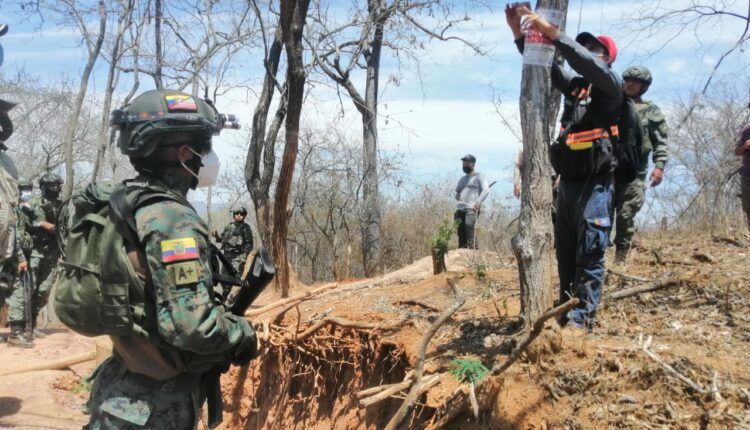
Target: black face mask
point(468, 169)
point(51, 193)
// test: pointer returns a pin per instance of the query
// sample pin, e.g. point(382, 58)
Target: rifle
point(240, 297)
point(27, 282)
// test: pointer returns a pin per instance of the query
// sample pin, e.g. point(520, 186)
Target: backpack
point(97, 290)
point(628, 145)
point(8, 203)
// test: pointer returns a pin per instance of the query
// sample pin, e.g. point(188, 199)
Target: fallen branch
point(459, 401)
point(644, 346)
point(627, 275)
point(296, 299)
point(392, 389)
point(63, 363)
point(416, 303)
point(418, 387)
point(657, 285)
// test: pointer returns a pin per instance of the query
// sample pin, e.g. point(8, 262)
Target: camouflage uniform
point(17, 299)
point(8, 202)
point(197, 332)
point(161, 382)
point(46, 249)
point(236, 243)
point(630, 196)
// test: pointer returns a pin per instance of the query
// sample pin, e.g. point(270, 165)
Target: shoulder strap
point(123, 212)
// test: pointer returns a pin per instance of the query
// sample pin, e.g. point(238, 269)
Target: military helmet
point(144, 121)
point(240, 210)
point(24, 184)
point(50, 178)
point(638, 72)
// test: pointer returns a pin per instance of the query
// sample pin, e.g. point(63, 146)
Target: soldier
point(237, 239)
point(8, 200)
point(629, 196)
point(156, 380)
point(17, 314)
point(46, 248)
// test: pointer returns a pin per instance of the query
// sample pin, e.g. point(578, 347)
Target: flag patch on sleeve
point(178, 250)
point(180, 102)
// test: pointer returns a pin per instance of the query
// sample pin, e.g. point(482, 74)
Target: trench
point(311, 384)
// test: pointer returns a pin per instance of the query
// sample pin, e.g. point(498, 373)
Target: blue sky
point(435, 120)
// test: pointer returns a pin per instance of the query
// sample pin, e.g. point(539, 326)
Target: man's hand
point(47, 226)
point(23, 266)
point(517, 190)
point(216, 236)
point(477, 207)
point(513, 19)
point(536, 22)
point(656, 177)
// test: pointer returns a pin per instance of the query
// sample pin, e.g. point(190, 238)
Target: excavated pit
point(311, 384)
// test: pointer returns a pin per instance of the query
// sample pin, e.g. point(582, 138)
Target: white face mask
point(209, 172)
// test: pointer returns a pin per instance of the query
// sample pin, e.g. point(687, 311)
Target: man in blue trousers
point(582, 156)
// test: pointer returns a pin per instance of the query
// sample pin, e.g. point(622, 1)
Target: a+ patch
point(184, 273)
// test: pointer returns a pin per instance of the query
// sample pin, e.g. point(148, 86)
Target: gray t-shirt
point(471, 189)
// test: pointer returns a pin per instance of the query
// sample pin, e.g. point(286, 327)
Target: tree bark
point(158, 63)
point(539, 103)
point(104, 133)
point(72, 124)
point(292, 19)
point(370, 192)
point(263, 142)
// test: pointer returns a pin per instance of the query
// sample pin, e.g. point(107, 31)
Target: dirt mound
point(630, 373)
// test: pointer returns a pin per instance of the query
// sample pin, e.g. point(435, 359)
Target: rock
point(627, 398)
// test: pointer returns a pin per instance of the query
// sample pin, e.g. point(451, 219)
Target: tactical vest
point(584, 146)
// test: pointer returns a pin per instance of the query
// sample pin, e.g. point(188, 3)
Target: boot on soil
point(37, 334)
point(18, 337)
point(621, 256)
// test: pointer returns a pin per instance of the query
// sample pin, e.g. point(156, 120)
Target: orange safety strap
point(597, 133)
point(585, 139)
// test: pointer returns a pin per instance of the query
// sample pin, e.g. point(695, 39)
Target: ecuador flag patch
point(178, 250)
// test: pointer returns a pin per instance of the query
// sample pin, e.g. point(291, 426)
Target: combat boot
point(18, 337)
point(621, 255)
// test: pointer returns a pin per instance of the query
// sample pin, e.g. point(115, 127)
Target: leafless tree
point(78, 15)
point(261, 157)
point(37, 141)
point(701, 189)
point(292, 22)
point(696, 19)
point(342, 49)
point(113, 55)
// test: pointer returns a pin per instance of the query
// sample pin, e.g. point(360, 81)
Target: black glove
point(247, 350)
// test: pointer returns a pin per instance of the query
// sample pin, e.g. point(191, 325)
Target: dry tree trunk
point(293, 14)
point(533, 244)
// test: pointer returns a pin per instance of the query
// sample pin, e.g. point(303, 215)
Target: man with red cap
point(582, 156)
point(743, 150)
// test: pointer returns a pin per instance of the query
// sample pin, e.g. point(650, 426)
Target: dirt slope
point(318, 355)
point(700, 326)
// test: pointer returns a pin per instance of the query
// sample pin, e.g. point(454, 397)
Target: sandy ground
point(30, 400)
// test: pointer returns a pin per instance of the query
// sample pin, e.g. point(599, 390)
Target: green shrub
point(442, 238)
point(468, 371)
